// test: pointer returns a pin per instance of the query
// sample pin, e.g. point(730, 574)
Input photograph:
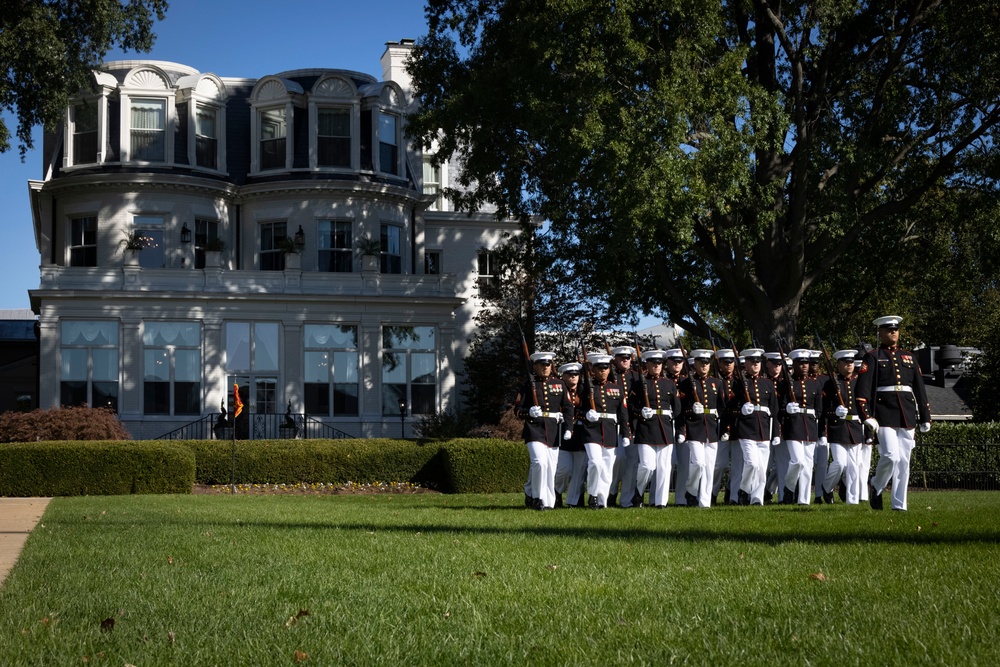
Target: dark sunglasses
point(572, 373)
point(727, 360)
point(654, 361)
point(543, 363)
point(602, 367)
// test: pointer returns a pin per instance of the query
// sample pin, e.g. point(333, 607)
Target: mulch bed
point(313, 489)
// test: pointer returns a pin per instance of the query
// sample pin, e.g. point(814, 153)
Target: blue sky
point(245, 38)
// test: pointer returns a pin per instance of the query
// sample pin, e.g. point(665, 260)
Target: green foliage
point(957, 456)
point(336, 461)
point(697, 157)
point(445, 425)
point(485, 466)
point(49, 49)
point(95, 468)
point(78, 423)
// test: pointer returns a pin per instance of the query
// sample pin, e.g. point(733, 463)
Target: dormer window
point(85, 132)
point(206, 136)
point(333, 138)
point(388, 143)
point(148, 130)
point(273, 131)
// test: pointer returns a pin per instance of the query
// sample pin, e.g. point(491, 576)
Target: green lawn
point(477, 580)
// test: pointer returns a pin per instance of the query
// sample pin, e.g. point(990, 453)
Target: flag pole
point(238, 403)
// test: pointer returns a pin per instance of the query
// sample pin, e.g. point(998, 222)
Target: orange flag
point(236, 401)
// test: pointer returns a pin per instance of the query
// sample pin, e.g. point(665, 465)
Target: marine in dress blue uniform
point(703, 401)
point(894, 400)
point(653, 403)
point(841, 426)
point(605, 428)
point(801, 402)
point(755, 409)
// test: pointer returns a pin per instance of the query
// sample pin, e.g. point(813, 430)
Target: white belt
point(708, 411)
point(608, 415)
point(852, 418)
point(810, 412)
point(762, 408)
point(558, 416)
point(896, 387)
point(668, 413)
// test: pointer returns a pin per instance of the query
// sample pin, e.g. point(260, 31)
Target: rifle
point(715, 356)
point(736, 357)
point(831, 369)
point(684, 366)
point(642, 374)
point(527, 361)
point(789, 378)
point(588, 384)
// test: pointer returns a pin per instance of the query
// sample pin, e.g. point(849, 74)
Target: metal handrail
point(256, 426)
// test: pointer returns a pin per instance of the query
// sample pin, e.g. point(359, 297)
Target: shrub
point(79, 423)
point(478, 465)
point(957, 455)
point(95, 468)
point(509, 428)
point(336, 461)
point(445, 425)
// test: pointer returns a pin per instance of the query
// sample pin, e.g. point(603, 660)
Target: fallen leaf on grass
point(818, 576)
point(552, 566)
point(935, 524)
point(45, 620)
point(108, 624)
point(172, 636)
point(480, 575)
point(741, 555)
point(170, 560)
point(918, 529)
point(301, 656)
point(293, 619)
point(447, 614)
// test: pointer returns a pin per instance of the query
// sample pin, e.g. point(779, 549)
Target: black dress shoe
point(592, 503)
point(559, 500)
point(788, 497)
point(528, 501)
point(828, 497)
point(842, 492)
point(743, 497)
point(612, 499)
point(874, 499)
point(818, 500)
point(692, 501)
point(637, 500)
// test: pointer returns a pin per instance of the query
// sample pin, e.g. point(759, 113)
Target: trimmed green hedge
point(336, 461)
point(481, 465)
point(95, 467)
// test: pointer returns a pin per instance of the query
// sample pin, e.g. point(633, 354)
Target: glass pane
point(317, 367)
point(318, 399)
point(334, 123)
point(187, 398)
point(272, 124)
point(331, 336)
point(156, 366)
point(387, 129)
point(414, 338)
point(159, 334)
point(148, 114)
point(393, 367)
point(73, 393)
point(345, 367)
point(205, 121)
point(90, 333)
point(265, 395)
point(152, 256)
point(265, 349)
point(423, 399)
point(147, 220)
point(187, 365)
point(422, 368)
point(345, 399)
point(237, 346)
point(391, 396)
point(106, 365)
point(105, 395)
point(156, 398)
point(74, 366)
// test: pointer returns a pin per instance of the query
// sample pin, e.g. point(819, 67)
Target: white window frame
point(105, 85)
point(147, 83)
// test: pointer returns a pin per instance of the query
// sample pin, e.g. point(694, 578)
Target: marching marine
point(842, 428)
point(653, 401)
point(756, 426)
point(605, 428)
point(801, 398)
point(702, 403)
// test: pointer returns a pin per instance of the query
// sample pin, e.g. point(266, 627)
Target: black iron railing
point(951, 466)
point(256, 426)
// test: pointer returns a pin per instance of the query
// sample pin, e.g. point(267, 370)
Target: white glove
point(926, 426)
point(626, 442)
point(725, 436)
point(648, 413)
point(840, 411)
point(793, 408)
point(568, 435)
point(593, 416)
point(698, 409)
point(823, 442)
point(681, 439)
point(775, 441)
point(535, 411)
point(872, 423)
point(747, 408)
point(559, 418)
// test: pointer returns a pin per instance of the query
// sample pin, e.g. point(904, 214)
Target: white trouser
point(722, 456)
point(821, 461)
point(844, 464)
point(542, 472)
point(600, 462)
point(800, 468)
point(681, 460)
point(701, 467)
point(629, 458)
point(654, 458)
point(570, 472)
point(894, 448)
point(864, 470)
point(754, 477)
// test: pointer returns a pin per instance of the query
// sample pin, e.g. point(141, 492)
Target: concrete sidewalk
point(18, 517)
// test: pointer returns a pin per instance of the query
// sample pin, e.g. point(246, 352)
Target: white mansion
point(290, 175)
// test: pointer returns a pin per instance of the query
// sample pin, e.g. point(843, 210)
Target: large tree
point(48, 49)
point(702, 157)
